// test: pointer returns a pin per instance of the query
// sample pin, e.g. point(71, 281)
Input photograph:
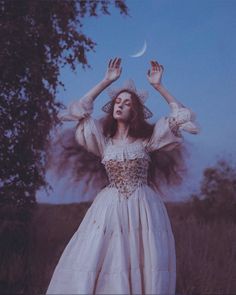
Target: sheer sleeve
point(167, 133)
point(88, 131)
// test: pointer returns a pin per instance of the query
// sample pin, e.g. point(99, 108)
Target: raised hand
point(114, 70)
point(155, 74)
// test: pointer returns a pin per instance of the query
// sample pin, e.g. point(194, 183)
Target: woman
point(125, 244)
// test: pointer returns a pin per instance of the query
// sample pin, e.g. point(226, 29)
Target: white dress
point(124, 244)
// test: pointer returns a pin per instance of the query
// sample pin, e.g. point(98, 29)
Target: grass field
point(206, 252)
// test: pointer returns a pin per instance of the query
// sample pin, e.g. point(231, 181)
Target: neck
point(122, 131)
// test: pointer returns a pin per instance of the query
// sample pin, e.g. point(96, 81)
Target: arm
point(154, 76)
point(112, 73)
point(180, 117)
point(81, 108)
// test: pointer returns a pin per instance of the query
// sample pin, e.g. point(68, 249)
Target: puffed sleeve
point(167, 133)
point(89, 131)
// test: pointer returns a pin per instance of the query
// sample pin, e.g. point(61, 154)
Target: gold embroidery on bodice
point(126, 167)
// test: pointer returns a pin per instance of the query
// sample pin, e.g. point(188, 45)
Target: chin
point(120, 118)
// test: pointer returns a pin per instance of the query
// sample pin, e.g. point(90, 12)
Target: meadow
point(206, 251)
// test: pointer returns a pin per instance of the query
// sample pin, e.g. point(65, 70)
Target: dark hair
point(139, 128)
point(166, 167)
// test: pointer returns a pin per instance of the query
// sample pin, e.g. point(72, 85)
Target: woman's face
point(122, 106)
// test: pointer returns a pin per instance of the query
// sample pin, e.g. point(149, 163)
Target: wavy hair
point(138, 126)
point(167, 167)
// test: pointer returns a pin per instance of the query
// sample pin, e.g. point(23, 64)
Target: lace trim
point(174, 126)
point(181, 118)
point(124, 152)
point(181, 112)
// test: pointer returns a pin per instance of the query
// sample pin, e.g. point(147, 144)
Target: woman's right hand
point(114, 70)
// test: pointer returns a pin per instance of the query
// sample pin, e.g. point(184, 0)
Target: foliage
point(217, 199)
point(37, 38)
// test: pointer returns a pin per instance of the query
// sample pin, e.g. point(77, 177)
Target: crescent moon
point(141, 52)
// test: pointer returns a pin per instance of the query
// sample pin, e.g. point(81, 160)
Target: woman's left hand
point(154, 74)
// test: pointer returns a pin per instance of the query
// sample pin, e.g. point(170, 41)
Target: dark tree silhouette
point(217, 198)
point(37, 38)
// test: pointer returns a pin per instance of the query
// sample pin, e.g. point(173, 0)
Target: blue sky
point(195, 42)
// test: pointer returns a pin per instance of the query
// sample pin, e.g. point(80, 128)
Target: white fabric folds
point(166, 134)
point(124, 244)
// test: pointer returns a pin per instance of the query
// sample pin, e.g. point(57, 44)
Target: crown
point(128, 85)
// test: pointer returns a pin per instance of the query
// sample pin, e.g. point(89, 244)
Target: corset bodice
point(126, 166)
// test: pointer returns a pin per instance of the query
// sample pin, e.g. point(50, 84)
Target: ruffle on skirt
point(122, 246)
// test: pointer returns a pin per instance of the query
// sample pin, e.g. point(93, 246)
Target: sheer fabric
point(124, 244)
point(166, 135)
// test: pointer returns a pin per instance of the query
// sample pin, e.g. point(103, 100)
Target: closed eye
point(127, 101)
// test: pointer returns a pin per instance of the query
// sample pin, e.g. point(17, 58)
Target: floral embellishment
point(127, 175)
point(174, 126)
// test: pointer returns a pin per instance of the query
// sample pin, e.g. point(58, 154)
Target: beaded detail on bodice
point(126, 167)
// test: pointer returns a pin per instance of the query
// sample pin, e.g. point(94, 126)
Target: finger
point(114, 62)
point(156, 63)
point(157, 66)
point(152, 63)
point(109, 64)
point(161, 68)
point(154, 66)
point(118, 63)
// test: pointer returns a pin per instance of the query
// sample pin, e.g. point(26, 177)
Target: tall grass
point(206, 252)
point(206, 257)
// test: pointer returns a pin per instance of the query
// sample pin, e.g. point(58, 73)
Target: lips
point(118, 112)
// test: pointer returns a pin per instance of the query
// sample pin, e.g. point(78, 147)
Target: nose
point(120, 106)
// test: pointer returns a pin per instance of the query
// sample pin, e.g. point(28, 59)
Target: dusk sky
point(195, 42)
